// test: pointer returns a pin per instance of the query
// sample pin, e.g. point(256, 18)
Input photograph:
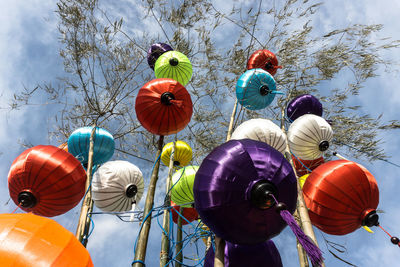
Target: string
point(395, 240)
point(16, 208)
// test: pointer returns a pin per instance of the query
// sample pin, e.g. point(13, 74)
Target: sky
point(29, 55)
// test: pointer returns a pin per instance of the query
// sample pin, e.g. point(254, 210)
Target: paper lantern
point(303, 166)
point(103, 149)
point(258, 255)
point(64, 146)
point(303, 104)
point(255, 89)
point(262, 130)
point(265, 60)
point(190, 214)
point(174, 65)
point(182, 190)
point(309, 136)
point(29, 240)
point(233, 187)
point(155, 51)
point(163, 106)
point(117, 185)
point(46, 180)
point(182, 155)
point(303, 179)
point(341, 196)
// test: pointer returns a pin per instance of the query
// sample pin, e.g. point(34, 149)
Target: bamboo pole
point(302, 211)
point(87, 204)
point(165, 237)
point(179, 253)
point(219, 243)
point(228, 135)
point(141, 246)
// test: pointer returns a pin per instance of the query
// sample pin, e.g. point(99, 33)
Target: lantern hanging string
point(313, 252)
point(395, 240)
point(19, 205)
point(308, 169)
point(364, 152)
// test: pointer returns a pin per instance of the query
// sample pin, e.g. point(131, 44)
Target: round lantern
point(262, 130)
point(174, 65)
point(46, 180)
point(103, 149)
point(341, 196)
point(182, 155)
point(64, 146)
point(182, 190)
point(233, 188)
point(155, 51)
point(117, 185)
point(255, 89)
point(303, 166)
point(303, 104)
point(263, 254)
point(265, 60)
point(190, 214)
point(303, 179)
point(163, 106)
point(29, 240)
point(309, 136)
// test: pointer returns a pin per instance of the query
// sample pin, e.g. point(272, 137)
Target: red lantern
point(163, 106)
point(341, 196)
point(303, 166)
point(189, 213)
point(263, 59)
point(46, 180)
point(35, 241)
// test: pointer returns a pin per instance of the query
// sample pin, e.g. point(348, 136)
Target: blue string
point(139, 261)
point(301, 162)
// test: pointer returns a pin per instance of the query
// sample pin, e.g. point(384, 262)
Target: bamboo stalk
point(302, 211)
point(179, 253)
point(165, 237)
point(141, 246)
point(229, 134)
point(87, 204)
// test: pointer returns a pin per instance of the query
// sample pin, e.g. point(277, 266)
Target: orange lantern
point(341, 196)
point(29, 240)
point(46, 180)
point(190, 214)
point(303, 166)
point(263, 59)
point(64, 146)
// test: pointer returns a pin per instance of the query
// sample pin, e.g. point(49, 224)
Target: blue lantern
point(79, 140)
point(256, 89)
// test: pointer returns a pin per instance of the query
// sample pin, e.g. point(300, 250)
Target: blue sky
point(29, 55)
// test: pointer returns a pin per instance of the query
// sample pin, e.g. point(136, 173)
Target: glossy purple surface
point(222, 190)
point(155, 51)
point(260, 255)
point(303, 104)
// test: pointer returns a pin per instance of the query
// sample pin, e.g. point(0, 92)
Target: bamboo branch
point(165, 238)
point(141, 246)
point(87, 204)
point(179, 253)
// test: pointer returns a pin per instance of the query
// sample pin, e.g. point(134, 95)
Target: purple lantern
point(303, 104)
point(261, 255)
point(234, 191)
point(155, 51)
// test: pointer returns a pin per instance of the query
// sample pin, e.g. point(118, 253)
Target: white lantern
point(117, 186)
point(262, 130)
point(309, 136)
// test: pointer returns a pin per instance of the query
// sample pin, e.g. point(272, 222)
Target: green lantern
point(174, 65)
point(182, 190)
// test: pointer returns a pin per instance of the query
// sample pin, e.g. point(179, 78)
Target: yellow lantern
point(302, 179)
point(182, 156)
